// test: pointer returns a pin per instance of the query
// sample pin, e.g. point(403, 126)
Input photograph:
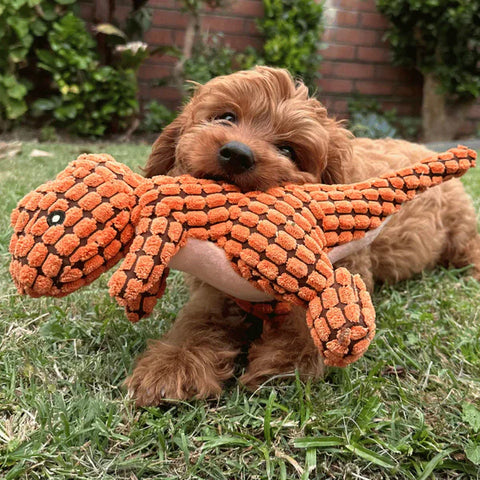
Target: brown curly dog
point(258, 129)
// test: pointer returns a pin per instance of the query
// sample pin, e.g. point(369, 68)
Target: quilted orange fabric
point(97, 211)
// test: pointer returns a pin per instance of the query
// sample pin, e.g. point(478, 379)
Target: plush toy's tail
point(351, 210)
point(430, 172)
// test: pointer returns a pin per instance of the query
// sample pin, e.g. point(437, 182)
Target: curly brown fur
point(196, 355)
point(271, 112)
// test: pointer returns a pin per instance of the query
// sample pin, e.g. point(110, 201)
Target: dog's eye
point(288, 151)
point(228, 116)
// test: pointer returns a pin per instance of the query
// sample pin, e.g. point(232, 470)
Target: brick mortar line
point(230, 34)
point(208, 14)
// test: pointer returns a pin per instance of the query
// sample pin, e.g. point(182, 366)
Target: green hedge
point(45, 40)
point(440, 37)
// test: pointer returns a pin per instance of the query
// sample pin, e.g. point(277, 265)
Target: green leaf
point(17, 54)
point(310, 463)
point(17, 91)
point(15, 108)
point(433, 463)
point(49, 12)
point(166, 50)
point(318, 442)
point(371, 456)
point(8, 81)
point(46, 57)
point(19, 25)
point(109, 29)
point(473, 453)
point(43, 104)
point(66, 112)
point(17, 4)
point(267, 429)
point(39, 27)
point(224, 441)
point(368, 412)
point(471, 415)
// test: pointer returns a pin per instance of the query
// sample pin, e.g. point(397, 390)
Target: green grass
point(410, 409)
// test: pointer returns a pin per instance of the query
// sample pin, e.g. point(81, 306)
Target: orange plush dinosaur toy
point(259, 247)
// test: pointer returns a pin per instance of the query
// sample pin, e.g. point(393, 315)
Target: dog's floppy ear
point(162, 157)
point(339, 153)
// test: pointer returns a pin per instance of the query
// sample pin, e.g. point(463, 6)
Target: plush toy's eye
point(288, 151)
point(228, 117)
point(56, 218)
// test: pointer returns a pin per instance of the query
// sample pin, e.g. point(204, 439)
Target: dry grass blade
point(10, 149)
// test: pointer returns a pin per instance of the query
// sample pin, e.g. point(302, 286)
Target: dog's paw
point(169, 372)
point(279, 358)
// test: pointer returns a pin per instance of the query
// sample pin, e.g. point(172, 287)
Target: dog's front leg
point(283, 347)
point(196, 356)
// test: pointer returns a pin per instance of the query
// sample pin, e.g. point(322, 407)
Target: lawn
point(410, 409)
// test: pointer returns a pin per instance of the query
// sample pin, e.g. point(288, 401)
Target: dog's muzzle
point(236, 157)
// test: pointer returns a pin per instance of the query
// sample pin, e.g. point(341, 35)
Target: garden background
point(401, 68)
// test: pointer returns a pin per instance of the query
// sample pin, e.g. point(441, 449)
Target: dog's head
point(255, 129)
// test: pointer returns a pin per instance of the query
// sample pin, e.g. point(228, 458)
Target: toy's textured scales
point(277, 240)
point(56, 258)
point(272, 240)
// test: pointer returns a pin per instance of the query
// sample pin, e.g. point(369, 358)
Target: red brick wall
point(237, 22)
point(356, 58)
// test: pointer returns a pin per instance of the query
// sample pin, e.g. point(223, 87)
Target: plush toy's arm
point(341, 319)
point(143, 303)
point(140, 279)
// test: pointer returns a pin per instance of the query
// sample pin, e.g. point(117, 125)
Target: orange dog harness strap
point(263, 246)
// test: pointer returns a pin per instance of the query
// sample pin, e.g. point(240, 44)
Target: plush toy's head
point(70, 230)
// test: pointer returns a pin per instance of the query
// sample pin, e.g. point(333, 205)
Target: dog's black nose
point(236, 157)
